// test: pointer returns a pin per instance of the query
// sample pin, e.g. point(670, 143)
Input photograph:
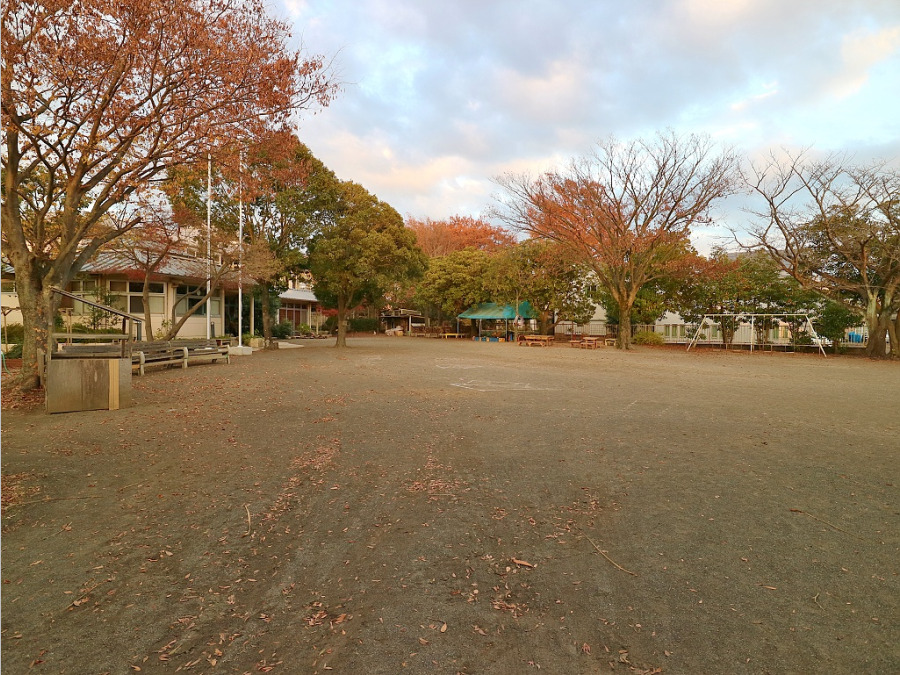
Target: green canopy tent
point(490, 311)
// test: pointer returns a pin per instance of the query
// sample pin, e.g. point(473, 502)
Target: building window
point(84, 288)
point(127, 296)
point(136, 297)
point(187, 296)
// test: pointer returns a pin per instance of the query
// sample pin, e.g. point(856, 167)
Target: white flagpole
point(208, 238)
point(241, 250)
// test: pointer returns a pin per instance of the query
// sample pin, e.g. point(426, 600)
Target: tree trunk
point(36, 304)
point(264, 297)
point(877, 323)
point(341, 321)
point(726, 323)
point(145, 298)
point(894, 332)
point(544, 322)
point(623, 340)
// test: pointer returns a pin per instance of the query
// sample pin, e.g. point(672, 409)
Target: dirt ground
point(414, 505)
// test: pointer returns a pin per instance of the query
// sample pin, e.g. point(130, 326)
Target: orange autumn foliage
point(440, 237)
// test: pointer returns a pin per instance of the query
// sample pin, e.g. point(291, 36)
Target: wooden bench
point(200, 350)
point(609, 342)
point(158, 353)
point(538, 340)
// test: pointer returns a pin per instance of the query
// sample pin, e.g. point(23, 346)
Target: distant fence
point(598, 329)
point(681, 333)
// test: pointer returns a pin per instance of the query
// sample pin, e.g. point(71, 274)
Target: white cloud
point(719, 13)
point(296, 8)
point(443, 96)
point(769, 89)
point(861, 51)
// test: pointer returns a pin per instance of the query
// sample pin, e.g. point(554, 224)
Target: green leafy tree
point(650, 304)
point(715, 286)
point(284, 189)
point(361, 249)
point(548, 276)
point(742, 284)
point(832, 321)
point(454, 282)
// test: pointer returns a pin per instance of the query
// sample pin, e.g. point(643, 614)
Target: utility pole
point(208, 239)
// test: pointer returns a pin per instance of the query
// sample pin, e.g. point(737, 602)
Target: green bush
point(363, 325)
point(15, 352)
point(282, 330)
point(648, 337)
point(15, 332)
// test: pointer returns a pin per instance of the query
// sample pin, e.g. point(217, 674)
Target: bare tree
point(835, 228)
point(627, 209)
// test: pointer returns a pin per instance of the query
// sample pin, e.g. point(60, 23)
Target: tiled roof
point(174, 265)
point(300, 294)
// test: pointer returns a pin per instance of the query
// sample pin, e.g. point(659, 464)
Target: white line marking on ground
point(485, 386)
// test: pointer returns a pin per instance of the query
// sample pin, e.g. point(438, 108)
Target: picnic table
point(451, 335)
point(537, 340)
point(587, 343)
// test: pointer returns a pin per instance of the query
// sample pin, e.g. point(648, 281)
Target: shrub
point(363, 325)
point(282, 330)
point(15, 352)
point(648, 337)
point(15, 332)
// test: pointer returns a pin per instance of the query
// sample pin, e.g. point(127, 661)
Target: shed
point(405, 319)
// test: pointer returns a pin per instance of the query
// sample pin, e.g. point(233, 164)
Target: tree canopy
point(101, 99)
point(835, 228)
point(627, 209)
point(361, 248)
point(547, 275)
point(439, 237)
point(455, 281)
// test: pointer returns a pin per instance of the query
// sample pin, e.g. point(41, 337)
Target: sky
point(440, 97)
